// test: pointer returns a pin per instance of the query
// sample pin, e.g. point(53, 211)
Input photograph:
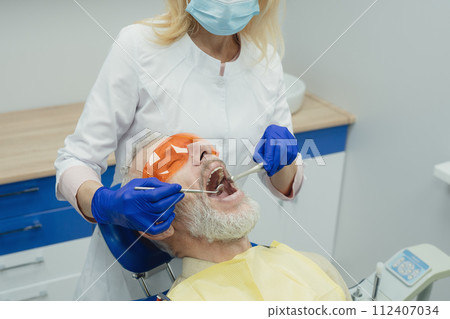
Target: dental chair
point(137, 255)
point(408, 274)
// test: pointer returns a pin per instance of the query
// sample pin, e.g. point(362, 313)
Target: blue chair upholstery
point(135, 255)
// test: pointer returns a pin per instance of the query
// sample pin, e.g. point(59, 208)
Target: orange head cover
point(170, 156)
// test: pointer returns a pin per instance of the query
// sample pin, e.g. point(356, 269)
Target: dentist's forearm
point(284, 179)
point(84, 198)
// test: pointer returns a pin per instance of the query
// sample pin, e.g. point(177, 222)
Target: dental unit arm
point(410, 273)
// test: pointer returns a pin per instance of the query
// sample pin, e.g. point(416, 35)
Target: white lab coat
point(171, 90)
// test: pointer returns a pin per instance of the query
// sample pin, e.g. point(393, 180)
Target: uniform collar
point(206, 64)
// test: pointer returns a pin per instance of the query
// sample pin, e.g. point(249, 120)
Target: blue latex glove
point(144, 210)
point(276, 149)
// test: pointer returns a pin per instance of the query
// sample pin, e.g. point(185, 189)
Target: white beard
point(202, 221)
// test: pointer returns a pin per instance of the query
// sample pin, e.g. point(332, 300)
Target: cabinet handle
point(25, 294)
point(24, 229)
point(39, 294)
point(28, 190)
point(38, 260)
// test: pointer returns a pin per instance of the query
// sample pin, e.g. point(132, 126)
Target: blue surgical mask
point(223, 17)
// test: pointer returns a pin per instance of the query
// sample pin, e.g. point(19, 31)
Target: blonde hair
point(263, 30)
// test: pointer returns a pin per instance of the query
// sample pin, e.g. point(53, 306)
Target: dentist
point(208, 67)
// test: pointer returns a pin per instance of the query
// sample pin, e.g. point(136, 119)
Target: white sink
point(442, 171)
point(294, 94)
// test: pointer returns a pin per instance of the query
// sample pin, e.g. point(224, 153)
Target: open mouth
point(218, 180)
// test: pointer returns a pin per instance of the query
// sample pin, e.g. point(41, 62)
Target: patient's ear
point(169, 232)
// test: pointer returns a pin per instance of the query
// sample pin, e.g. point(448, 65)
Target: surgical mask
point(223, 17)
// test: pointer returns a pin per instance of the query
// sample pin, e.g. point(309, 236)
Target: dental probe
point(185, 190)
point(376, 283)
point(252, 170)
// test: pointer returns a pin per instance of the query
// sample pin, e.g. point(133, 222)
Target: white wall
point(51, 51)
point(392, 71)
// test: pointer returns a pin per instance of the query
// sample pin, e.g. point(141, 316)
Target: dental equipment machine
point(410, 273)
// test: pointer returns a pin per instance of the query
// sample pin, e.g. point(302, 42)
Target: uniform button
point(221, 83)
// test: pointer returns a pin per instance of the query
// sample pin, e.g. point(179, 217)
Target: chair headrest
point(134, 253)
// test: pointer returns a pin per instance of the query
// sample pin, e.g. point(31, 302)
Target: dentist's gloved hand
point(276, 149)
point(144, 210)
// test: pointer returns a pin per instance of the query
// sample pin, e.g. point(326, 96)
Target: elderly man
point(209, 232)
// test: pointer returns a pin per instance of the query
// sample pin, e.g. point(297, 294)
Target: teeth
point(216, 169)
point(221, 174)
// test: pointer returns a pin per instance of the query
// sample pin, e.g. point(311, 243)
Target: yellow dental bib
point(260, 273)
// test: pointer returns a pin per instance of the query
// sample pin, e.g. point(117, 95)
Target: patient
point(210, 232)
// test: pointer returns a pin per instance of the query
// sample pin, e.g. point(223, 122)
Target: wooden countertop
point(317, 114)
point(29, 139)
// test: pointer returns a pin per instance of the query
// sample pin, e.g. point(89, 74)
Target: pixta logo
point(233, 151)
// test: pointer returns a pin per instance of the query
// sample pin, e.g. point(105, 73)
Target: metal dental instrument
point(252, 170)
point(186, 190)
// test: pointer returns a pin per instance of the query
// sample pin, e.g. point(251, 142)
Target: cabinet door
point(308, 223)
point(51, 263)
point(34, 196)
point(18, 199)
point(61, 289)
point(46, 228)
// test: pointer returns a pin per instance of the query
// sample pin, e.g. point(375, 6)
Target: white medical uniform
point(169, 89)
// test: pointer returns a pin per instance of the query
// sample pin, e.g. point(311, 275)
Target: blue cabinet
point(322, 142)
point(31, 216)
